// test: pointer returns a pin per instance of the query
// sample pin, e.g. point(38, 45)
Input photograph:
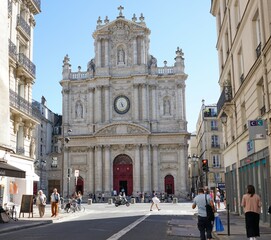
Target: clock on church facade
point(127, 115)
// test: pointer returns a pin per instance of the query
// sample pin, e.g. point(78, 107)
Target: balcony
point(225, 97)
point(215, 145)
point(20, 151)
point(262, 110)
point(259, 50)
point(23, 105)
point(34, 6)
point(26, 67)
point(9, 7)
point(242, 78)
point(12, 50)
point(23, 27)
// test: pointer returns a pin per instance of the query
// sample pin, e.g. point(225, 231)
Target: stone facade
point(18, 116)
point(244, 53)
point(125, 111)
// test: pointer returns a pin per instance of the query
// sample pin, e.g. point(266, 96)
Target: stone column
point(155, 175)
point(136, 178)
point(90, 170)
point(135, 50)
point(107, 169)
point(154, 103)
point(106, 58)
point(144, 102)
point(183, 172)
point(65, 105)
point(179, 102)
point(90, 105)
point(143, 51)
point(98, 104)
point(136, 105)
point(99, 53)
point(146, 172)
point(98, 168)
point(107, 104)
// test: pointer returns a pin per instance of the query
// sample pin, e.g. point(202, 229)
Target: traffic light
point(205, 167)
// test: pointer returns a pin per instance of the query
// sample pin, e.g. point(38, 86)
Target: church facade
point(124, 118)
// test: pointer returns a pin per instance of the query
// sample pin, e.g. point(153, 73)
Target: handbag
point(218, 224)
point(209, 211)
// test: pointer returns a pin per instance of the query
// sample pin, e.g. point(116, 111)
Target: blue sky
point(66, 27)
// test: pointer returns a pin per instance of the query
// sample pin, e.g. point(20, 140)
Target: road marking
point(128, 228)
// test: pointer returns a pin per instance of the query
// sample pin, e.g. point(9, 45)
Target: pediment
point(121, 129)
point(121, 26)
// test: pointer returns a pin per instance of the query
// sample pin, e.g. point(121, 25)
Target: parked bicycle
point(71, 205)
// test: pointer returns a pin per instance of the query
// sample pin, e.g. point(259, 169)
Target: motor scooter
point(121, 201)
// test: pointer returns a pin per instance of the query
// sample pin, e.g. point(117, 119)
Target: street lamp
point(193, 161)
point(65, 140)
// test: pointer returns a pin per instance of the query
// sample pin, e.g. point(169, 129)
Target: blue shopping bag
point(218, 224)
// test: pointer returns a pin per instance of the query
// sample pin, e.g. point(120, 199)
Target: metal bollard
point(133, 201)
point(175, 200)
point(228, 219)
point(110, 200)
point(89, 201)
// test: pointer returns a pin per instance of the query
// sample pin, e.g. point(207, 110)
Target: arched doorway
point(80, 185)
point(123, 174)
point(169, 184)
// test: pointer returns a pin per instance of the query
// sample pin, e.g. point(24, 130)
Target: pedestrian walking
point(217, 198)
point(205, 225)
point(41, 202)
point(155, 201)
point(251, 203)
point(55, 199)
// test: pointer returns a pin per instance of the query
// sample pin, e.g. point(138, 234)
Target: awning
point(11, 171)
point(33, 176)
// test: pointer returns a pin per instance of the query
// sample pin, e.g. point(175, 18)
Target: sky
point(66, 27)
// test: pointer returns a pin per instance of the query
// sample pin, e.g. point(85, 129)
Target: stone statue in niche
point(167, 107)
point(32, 147)
point(121, 56)
point(79, 110)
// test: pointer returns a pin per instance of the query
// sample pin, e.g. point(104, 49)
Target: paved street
point(107, 222)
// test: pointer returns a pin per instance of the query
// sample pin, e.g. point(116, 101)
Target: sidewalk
point(29, 222)
point(238, 229)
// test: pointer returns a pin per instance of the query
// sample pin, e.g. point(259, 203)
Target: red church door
point(169, 184)
point(123, 174)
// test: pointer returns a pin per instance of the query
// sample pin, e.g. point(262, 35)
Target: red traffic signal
point(205, 166)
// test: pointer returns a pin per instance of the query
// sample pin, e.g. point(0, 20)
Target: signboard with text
point(257, 129)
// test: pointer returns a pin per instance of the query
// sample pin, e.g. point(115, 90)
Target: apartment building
point(18, 117)
point(209, 141)
point(243, 45)
point(47, 136)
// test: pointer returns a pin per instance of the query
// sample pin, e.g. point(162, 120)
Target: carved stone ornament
point(122, 129)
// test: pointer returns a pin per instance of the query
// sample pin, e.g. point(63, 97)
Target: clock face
point(121, 104)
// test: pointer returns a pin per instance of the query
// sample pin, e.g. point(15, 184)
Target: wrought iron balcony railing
point(258, 50)
point(226, 96)
point(12, 50)
point(22, 24)
point(9, 7)
point(27, 64)
point(34, 6)
point(23, 105)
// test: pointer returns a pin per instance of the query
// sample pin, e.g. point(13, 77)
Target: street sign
point(76, 173)
point(257, 129)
